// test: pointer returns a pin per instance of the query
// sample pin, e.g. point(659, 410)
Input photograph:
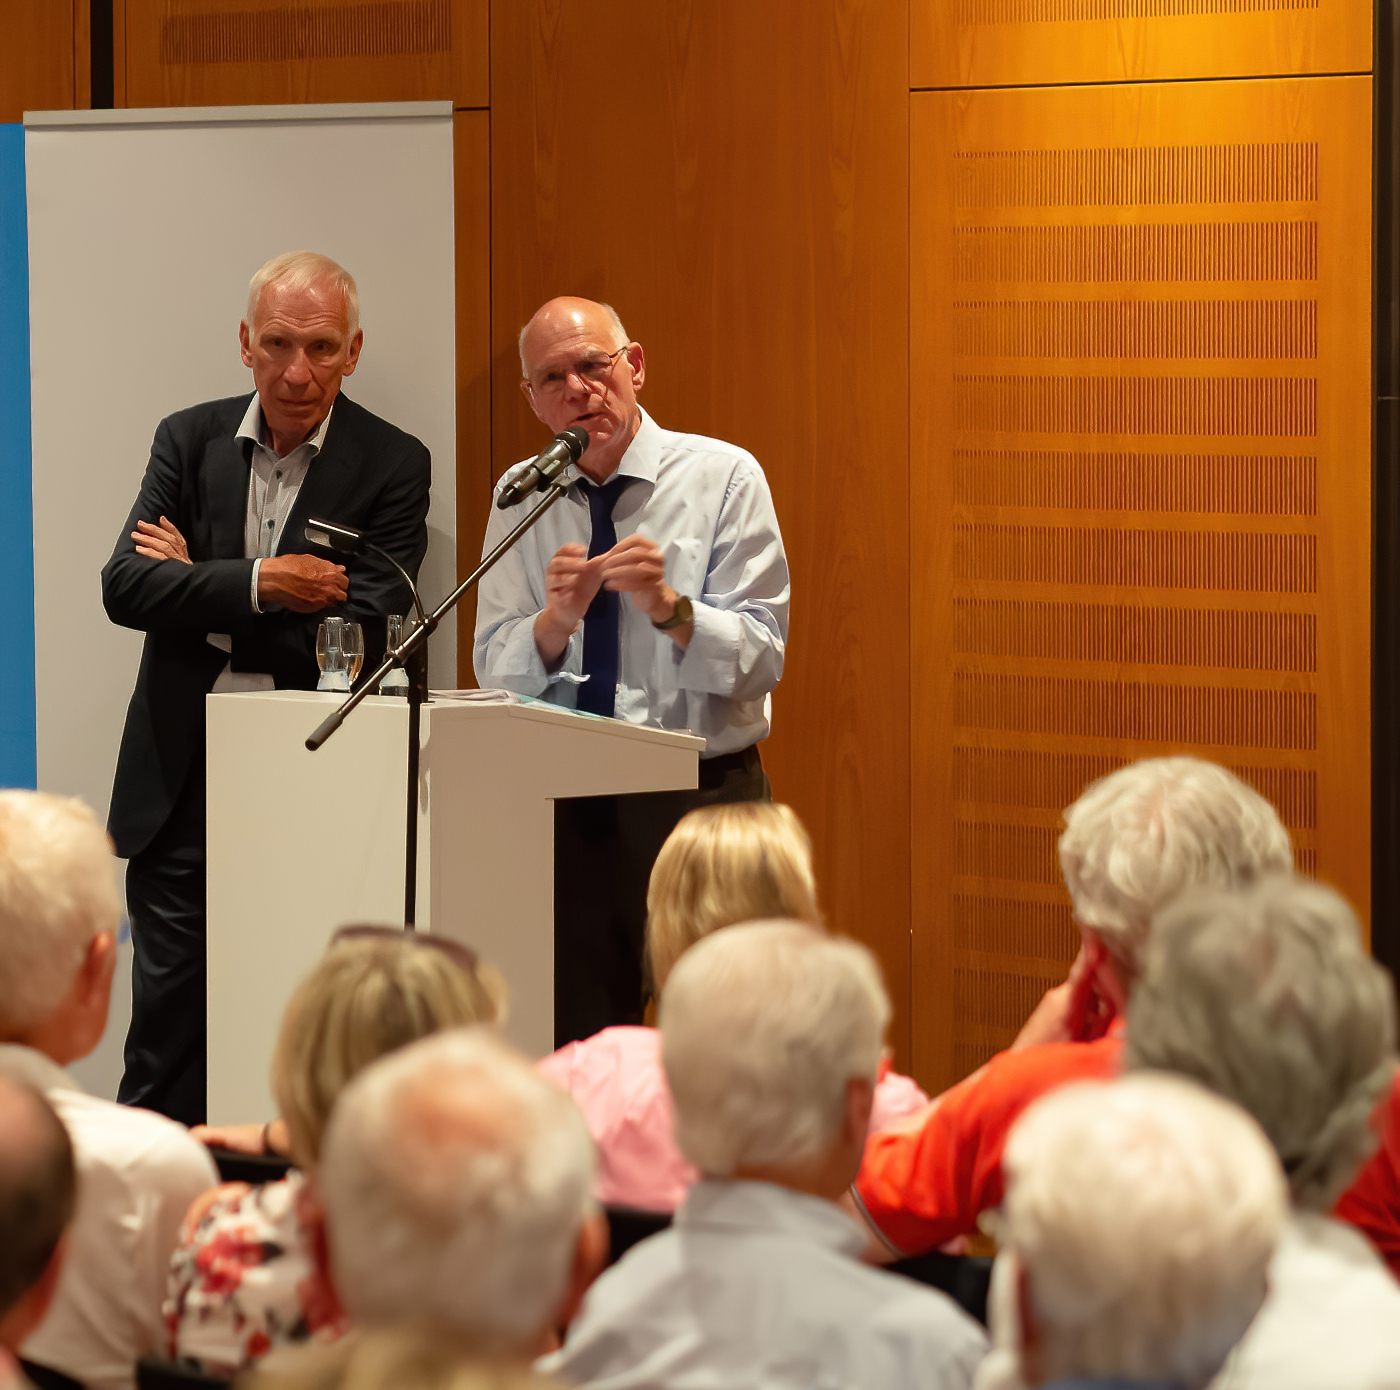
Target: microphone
point(345, 540)
point(567, 448)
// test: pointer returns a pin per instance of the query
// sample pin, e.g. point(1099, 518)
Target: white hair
point(619, 332)
point(1268, 997)
point(58, 890)
point(300, 270)
point(762, 1026)
point(1146, 833)
point(1144, 1213)
point(456, 1181)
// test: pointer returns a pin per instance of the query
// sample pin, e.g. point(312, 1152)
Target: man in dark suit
point(213, 566)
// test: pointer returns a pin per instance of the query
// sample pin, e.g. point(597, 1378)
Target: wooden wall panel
point(1140, 451)
point(471, 163)
point(994, 43)
point(248, 52)
point(736, 187)
point(37, 53)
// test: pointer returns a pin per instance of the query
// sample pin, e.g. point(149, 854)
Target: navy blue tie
point(602, 621)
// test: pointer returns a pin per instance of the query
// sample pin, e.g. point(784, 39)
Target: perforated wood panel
point(988, 43)
point(1140, 464)
point(243, 52)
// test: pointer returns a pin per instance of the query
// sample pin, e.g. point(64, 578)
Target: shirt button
point(269, 526)
point(278, 473)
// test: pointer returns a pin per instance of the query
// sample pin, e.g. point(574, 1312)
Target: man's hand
point(1071, 1012)
point(571, 582)
point(303, 583)
point(161, 542)
point(636, 566)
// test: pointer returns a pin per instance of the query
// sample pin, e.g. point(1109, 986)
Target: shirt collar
point(642, 458)
point(764, 1206)
point(34, 1068)
point(252, 427)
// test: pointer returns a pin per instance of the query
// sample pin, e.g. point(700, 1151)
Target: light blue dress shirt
point(756, 1286)
point(706, 504)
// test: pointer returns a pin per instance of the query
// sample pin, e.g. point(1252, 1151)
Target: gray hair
point(1144, 1213)
point(300, 270)
point(1139, 837)
point(620, 335)
point(762, 1026)
point(58, 890)
point(1267, 997)
point(456, 1181)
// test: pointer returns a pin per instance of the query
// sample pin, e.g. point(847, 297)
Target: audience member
point(399, 1358)
point(138, 1171)
point(1140, 1218)
point(1268, 998)
point(38, 1191)
point(1372, 1202)
point(1133, 842)
point(244, 1277)
point(721, 865)
point(771, 1036)
point(457, 1189)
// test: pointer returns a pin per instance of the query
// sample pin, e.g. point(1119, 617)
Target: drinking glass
point(395, 630)
point(353, 644)
point(331, 655)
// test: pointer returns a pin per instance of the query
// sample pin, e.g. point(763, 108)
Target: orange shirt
point(1372, 1202)
point(923, 1186)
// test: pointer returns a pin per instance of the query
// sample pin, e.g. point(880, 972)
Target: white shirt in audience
point(755, 1285)
point(1331, 1320)
point(137, 1175)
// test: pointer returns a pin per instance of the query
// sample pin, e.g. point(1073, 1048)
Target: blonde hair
point(58, 890)
point(299, 270)
point(365, 998)
point(739, 862)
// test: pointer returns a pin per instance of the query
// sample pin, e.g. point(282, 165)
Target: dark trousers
point(165, 898)
point(604, 847)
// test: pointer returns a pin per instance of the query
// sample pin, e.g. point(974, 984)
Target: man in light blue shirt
point(771, 1035)
point(655, 591)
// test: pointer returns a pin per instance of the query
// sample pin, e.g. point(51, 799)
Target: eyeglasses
point(461, 956)
point(590, 370)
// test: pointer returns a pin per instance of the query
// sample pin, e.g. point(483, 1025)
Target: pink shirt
point(616, 1079)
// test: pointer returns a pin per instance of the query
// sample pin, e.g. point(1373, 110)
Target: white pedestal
point(301, 843)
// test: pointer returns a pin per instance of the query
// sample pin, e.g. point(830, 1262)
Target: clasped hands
point(634, 566)
point(303, 583)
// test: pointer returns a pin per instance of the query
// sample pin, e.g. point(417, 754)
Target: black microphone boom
point(567, 448)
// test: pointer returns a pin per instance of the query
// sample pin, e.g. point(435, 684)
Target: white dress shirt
point(1331, 1320)
point(273, 484)
point(706, 504)
point(757, 1286)
point(137, 1175)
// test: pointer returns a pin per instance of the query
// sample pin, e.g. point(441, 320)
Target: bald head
point(568, 313)
point(38, 1189)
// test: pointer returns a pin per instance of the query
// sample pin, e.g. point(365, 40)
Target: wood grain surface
point(1142, 492)
point(731, 177)
point(251, 52)
point(993, 43)
point(37, 52)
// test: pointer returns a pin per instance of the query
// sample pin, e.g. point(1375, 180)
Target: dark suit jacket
point(368, 475)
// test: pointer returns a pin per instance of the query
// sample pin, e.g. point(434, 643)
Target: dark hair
point(38, 1189)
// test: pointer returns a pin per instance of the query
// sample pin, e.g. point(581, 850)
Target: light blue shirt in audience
point(706, 505)
point(757, 1286)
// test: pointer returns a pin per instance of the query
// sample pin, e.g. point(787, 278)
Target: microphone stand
point(417, 641)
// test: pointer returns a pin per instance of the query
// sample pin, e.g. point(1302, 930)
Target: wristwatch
point(685, 612)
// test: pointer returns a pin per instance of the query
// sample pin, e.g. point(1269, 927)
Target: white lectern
point(301, 843)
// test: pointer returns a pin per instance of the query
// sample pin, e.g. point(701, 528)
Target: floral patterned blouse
point(243, 1279)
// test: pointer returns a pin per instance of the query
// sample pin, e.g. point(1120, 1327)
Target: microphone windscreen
point(578, 440)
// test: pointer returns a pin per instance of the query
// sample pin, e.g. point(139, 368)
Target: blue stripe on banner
point(17, 736)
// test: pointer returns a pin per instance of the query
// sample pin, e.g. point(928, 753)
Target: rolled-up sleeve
point(741, 619)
